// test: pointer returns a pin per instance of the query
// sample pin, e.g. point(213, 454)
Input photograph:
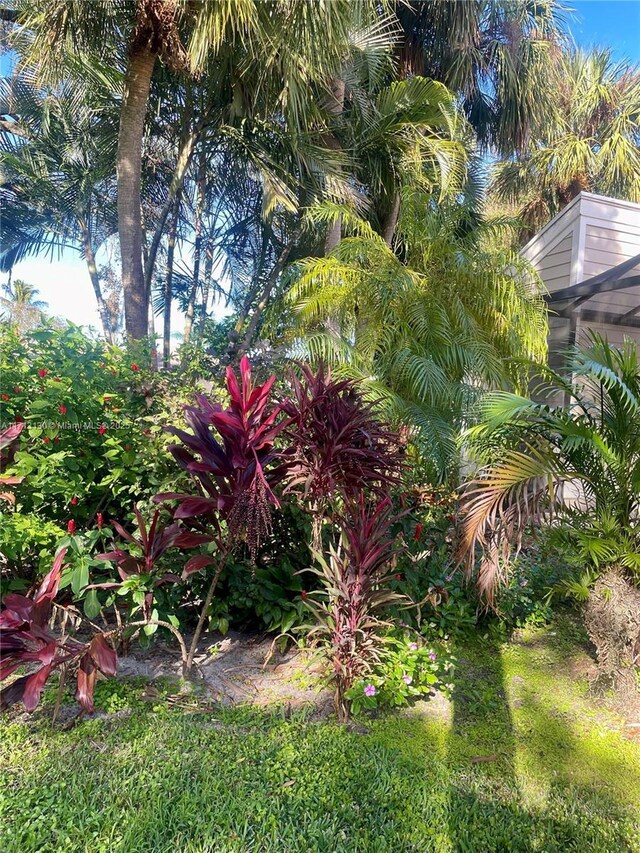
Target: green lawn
point(522, 763)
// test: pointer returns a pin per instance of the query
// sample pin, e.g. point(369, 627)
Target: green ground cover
point(520, 760)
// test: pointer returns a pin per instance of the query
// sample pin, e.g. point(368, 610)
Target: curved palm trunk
point(270, 284)
point(168, 285)
point(128, 169)
point(197, 249)
point(90, 258)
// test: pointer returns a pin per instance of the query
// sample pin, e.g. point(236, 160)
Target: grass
point(524, 762)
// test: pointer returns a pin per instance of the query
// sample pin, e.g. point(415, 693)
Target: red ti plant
point(339, 447)
point(230, 453)
point(355, 583)
point(25, 638)
point(153, 544)
point(8, 443)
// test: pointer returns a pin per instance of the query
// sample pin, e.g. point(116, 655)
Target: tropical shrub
point(427, 323)
point(25, 639)
point(236, 472)
point(337, 445)
point(91, 442)
point(406, 670)
point(141, 570)
point(579, 465)
point(355, 588)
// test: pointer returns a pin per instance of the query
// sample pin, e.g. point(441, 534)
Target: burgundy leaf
point(103, 655)
point(86, 682)
point(34, 685)
point(196, 563)
point(192, 540)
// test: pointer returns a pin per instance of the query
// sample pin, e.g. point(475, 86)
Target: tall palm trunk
point(197, 247)
point(334, 106)
point(128, 167)
point(392, 220)
point(267, 290)
point(168, 284)
point(90, 258)
point(206, 286)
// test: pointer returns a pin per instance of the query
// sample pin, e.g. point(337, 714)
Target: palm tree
point(590, 140)
point(579, 466)
point(20, 293)
point(282, 47)
point(58, 187)
point(427, 328)
point(22, 307)
point(494, 54)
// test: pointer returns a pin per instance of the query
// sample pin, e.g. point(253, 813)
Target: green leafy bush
point(406, 670)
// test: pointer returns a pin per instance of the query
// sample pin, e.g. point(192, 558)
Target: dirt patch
point(240, 669)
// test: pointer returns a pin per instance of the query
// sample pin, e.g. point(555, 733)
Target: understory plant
point(575, 467)
point(355, 590)
point(230, 454)
point(338, 447)
point(407, 669)
point(27, 639)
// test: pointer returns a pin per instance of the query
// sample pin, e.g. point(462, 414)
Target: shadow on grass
point(564, 807)
point(245, 780)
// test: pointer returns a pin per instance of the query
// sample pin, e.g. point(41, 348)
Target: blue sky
point(65, 284)
point(608, 23)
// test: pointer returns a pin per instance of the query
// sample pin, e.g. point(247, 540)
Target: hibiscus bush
point(92, 443)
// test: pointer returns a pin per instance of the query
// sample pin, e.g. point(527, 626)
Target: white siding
point(615, 334)
point(555, 267)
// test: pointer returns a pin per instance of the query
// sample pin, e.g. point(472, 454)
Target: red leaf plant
point(26, 638)
point(355, 588)
point(153, 542)
point(230, 453)
point(8, 444)
point(339, 447)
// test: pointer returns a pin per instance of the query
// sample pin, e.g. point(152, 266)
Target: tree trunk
point(175, 188)
point(128, 168)
point(266, 292)
point(168, 285)
point(90, 258)
point(197, 248)
point(392, 221)
point(334, 106)
point(206, 286)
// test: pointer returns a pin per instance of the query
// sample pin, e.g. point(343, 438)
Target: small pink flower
point(407, 679)
point(42, 373)
point(135, 368)
point(5, 397)
point(63, 410)
point(432, 656)
point(102, 430)
point(99, 520)
point(74, 501)
point(71, 526)
point(524, 583)
point(17, 390)
point(413, 647)
point(370, 690)
point(303, 594)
